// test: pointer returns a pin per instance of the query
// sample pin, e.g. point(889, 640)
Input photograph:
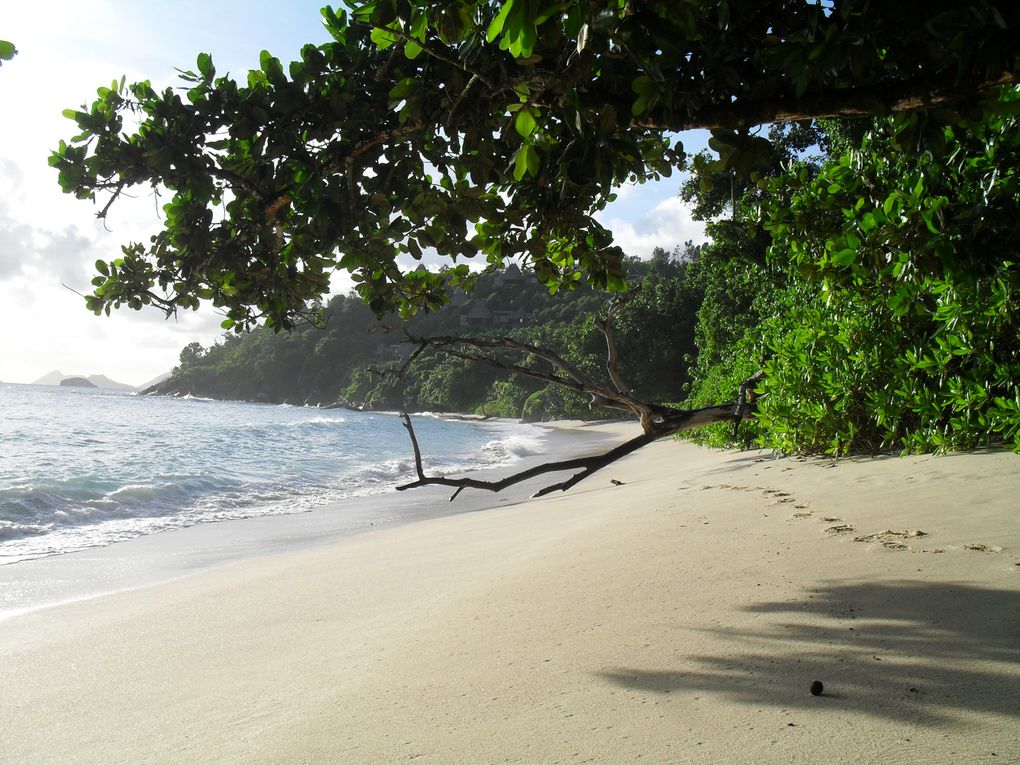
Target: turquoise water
point(81, 468)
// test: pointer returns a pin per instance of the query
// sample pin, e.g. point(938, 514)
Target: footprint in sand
point(843, 528)
point(781, 497)
point(892, 538)
point(808, 514)
point(978, 547)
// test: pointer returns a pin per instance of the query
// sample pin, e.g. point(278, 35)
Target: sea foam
point(84, 469)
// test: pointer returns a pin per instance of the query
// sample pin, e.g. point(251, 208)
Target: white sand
point(680, 617)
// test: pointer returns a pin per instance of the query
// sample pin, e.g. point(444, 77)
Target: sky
point(49, 240)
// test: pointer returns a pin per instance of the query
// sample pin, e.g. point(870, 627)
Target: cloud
point(30, 249)
point(667, 224)
point(15, 240)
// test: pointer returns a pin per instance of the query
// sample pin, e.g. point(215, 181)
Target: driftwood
point(657, 421)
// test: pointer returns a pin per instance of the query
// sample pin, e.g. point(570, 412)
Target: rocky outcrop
point(77, 382)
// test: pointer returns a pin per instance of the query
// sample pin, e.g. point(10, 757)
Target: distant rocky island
point(77, 382)
point(56, 377)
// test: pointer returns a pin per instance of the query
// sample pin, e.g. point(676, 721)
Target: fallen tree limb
point(677, 421)
point(657, 421)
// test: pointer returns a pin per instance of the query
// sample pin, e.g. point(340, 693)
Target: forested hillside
point(340, 360)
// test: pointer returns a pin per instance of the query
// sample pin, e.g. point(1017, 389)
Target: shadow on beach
point(905, 651)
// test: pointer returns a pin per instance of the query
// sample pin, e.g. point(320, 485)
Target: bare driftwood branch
point(612, 350)
point(679, 420)
point(657, 421)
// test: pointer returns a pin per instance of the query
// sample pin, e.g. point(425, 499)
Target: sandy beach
point(677, 618)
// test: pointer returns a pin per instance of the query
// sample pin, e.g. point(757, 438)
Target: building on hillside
point(478, 316)
point(514, 318)
point(512, 275)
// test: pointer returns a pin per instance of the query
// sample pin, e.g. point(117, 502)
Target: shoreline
point(39, 583)
point(680, 616)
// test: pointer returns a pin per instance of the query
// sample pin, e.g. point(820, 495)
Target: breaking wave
point(84, 476)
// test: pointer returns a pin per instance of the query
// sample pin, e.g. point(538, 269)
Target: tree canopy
point(7, 51)
point(491, 129)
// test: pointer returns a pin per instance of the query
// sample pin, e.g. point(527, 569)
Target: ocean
point(85, 468)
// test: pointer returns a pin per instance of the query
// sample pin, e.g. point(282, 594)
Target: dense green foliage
point(490, 128)
point(7, 51)
point(322, 365)
point(891, 317)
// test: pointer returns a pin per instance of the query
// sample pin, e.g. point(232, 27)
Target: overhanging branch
point(889, 98)
point(571, 377)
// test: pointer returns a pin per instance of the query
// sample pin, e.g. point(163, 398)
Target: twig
point(574, 380)
point(453, 108)
point(109, 203)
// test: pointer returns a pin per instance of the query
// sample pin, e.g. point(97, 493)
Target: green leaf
point(890, 203)
point(526, 162)
point(205, 65)
point(7, 50)
point(927, 218)
point(532, 159)
point(844, 257)
point(525, 123)
point(496, 25)
point(412, 50)
point(644, 85)
point(227, 323)
point(382, 38)
point(102, 268)
point(520, 163)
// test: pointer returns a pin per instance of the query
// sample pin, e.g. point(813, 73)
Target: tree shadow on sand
point(908, 651)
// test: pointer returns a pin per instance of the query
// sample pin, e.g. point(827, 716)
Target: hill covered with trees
point(341, 359)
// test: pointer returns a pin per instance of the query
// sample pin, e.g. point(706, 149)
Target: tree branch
point(612, 351)
point(678, 420)
point(891, 98)
point(657, 421)
point(109, 203)
point(574, 380)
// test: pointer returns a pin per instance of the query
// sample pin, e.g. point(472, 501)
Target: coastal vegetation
point(862, 253)
point(344, 358)
point(7, 51)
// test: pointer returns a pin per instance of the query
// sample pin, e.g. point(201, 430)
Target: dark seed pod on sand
point(817, 688)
